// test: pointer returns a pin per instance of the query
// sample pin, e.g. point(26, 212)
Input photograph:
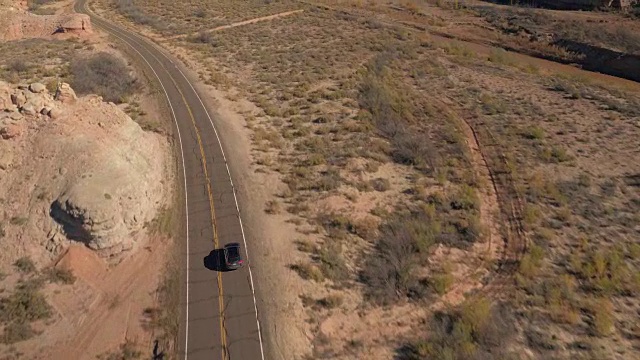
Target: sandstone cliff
point(17, 23)
point(74, 170)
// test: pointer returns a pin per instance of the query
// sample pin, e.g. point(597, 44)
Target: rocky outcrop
point(26, 100)
point(65, 94)
point(17, 23)
point(79, 167)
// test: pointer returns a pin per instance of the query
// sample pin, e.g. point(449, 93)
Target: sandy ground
point(105, 307)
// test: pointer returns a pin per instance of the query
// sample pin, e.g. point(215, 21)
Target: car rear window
point(233, 253)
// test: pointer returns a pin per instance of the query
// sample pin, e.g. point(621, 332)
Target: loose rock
point(37, 88)
point(65, 94)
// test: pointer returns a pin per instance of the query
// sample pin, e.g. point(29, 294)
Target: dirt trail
point(241, 23)
point(496, 244)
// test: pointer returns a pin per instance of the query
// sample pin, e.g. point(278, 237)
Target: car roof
point(234, 244)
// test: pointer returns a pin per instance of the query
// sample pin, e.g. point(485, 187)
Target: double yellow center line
point(216, 242)
point(223, 333)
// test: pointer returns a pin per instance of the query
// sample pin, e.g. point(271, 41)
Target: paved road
point(220, 316)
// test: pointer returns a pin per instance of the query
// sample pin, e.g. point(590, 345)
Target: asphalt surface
point(220, 317)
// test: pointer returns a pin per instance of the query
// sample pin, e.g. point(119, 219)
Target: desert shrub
point(412, 148)
point(389, 272)
point(19, 220)
point(531, 261)
point(61, 276)
point(135, 14)
point(476, 330)
point(500, 56)
point(204, 37)
point(25, 265)
point(332, 262)
point(331, 301)
point(24, 305)
point(308, 271)
point(605, 272)
point(540, 340)
point(380, 184)
point(126, 351)
point(391, 112)
point(465, 199)
point(272, 207)
point(16, 332)
point(19, 66)
point(440, 283)
point(555, 155)
point(102, 74)
point(366, 228)
point(533, 133)
point(603, 321)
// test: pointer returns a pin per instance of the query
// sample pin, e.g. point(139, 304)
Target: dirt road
point(220, 311)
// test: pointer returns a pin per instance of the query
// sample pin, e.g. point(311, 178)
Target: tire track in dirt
point(241, 23)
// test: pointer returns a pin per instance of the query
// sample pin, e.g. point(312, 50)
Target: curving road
point(220, 314)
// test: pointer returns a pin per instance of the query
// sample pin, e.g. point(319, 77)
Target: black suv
point(233, 259)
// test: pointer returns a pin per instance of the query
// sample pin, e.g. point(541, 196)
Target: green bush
point(332, 262)
point(531, 262)
point(603, 320)
point(477, 330)
point(441, 283)
point(465, 199)
point(533, 133)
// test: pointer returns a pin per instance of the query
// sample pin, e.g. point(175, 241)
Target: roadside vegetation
point(366, 121)
point(102, 74)
point(25, 305)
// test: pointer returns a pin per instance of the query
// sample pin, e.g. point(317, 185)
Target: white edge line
point(235, 198)
point(184, 176)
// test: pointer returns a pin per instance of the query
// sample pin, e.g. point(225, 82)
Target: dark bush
point(19, 66)
point(16, 332)
point(392, 115)
point(477, 330)
point(388, 273)
point(103, 74)
point(130, 10)
point(61, 276)
point(24, 305)
point(25, 265)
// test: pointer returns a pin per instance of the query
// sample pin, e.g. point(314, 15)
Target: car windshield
point(233, 253)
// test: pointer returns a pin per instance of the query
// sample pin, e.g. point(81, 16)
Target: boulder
point(34, 104)
point(65, 94)
point(55, 113)
point(11, 107)
point(18, 98)
point(75, 23)
point(37, 87)
point(112, 189)
point(11, 131)
point(29, 109)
